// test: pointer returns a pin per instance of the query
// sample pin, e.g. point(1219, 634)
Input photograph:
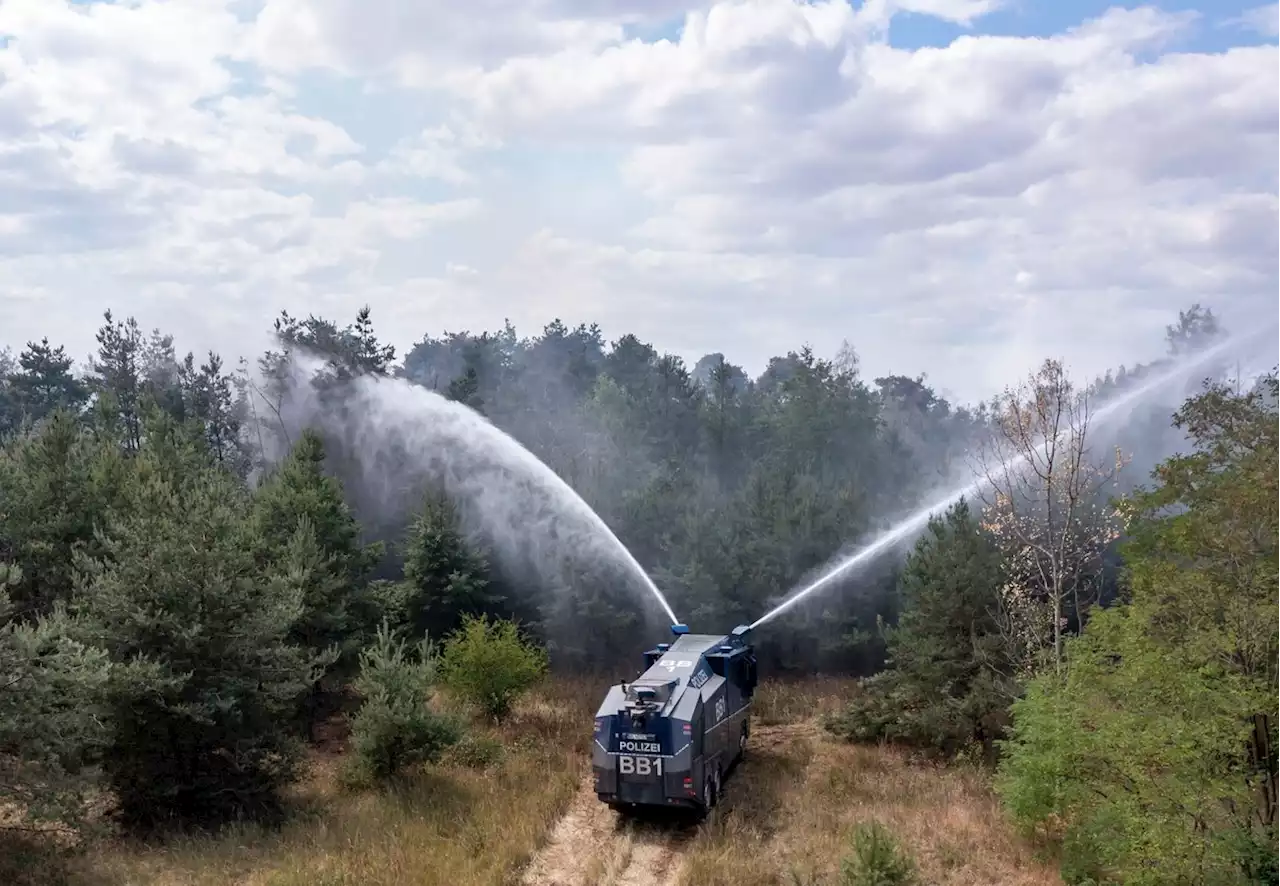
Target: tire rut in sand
point(592, 846)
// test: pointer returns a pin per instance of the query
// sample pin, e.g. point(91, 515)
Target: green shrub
point(877, 859)
point(396, 727)
point(1136, 754)
point(872, 714)
point(488, 664)
point(1255, 855)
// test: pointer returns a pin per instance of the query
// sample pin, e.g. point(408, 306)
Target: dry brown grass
point(448, 826)
point(800, 700)
point(789, 815)
point(786, 819)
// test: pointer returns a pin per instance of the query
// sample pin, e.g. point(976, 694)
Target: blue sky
point(955, 193)
point(1220, 23)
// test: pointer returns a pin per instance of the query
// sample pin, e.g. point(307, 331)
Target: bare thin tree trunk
point(1039, 502)
point(1263, 757)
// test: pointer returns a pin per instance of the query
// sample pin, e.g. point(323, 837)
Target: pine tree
point(51, 714)
point(55, 488)
point(44, 382)
point(397, 726)
point(206, 677)
point(304, 528)
point(210, 398)
point(946, 682)
point(444, 576)
point(465, 389)
point(116, 370)
point(366, 353)
point(10, 408)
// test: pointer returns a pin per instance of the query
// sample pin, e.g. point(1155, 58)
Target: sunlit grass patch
point(454, 823)
point(790, 816)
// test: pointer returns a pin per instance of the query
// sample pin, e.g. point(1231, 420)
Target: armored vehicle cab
point(669, 737)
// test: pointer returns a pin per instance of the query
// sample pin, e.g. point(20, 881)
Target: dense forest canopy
point(728, 490)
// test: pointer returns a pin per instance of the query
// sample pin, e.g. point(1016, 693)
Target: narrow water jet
point(919, 520)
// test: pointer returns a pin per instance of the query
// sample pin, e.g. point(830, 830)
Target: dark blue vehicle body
point(670, 736)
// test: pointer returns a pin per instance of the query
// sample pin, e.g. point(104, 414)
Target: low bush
point(396, 726)
point(877, 859)
point(489, 664)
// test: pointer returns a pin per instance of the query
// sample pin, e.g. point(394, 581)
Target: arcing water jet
point(392, 426)
point(917, 521)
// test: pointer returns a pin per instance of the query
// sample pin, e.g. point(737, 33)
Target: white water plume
point(919, 520)
point(403, 436)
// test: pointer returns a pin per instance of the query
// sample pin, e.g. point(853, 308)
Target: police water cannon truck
point(670, 736)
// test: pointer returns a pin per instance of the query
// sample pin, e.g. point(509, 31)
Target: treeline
point(729, 490)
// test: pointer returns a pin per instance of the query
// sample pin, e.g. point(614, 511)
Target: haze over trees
point(188, 583)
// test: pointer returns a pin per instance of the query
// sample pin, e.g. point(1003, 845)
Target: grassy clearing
point(791, 811)
point(458, 823)
point(779, 702)
point(476, 819)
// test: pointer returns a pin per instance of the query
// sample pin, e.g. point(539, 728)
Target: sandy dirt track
point(592, 845)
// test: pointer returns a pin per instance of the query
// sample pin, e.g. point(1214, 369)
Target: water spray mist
point(917, 521)
point(391, 425)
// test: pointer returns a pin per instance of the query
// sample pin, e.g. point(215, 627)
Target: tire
point(709, 798)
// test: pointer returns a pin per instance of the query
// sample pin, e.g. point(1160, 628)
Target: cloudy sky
point(957, 187)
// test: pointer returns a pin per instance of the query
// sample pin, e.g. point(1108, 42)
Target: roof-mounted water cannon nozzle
point(690, 686)
point(741, 633)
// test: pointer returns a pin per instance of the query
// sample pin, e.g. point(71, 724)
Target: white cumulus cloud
point(743, 175)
